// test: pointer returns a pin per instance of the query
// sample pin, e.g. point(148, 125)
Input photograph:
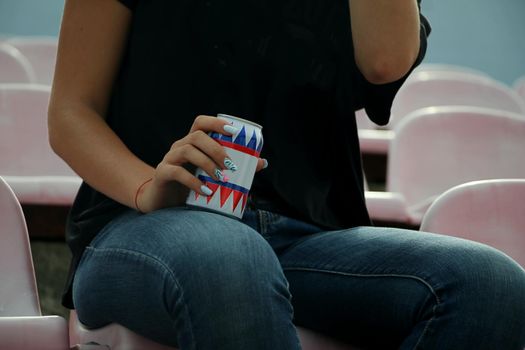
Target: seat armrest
point(375, 141)
point(387, 206)
point(49, 190)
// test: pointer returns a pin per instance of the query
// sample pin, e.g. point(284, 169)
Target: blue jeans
point(200, 280)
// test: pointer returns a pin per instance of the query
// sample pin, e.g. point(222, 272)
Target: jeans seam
point(368, 275)
point(157, 262)
point(417, 278)
point(426, 327)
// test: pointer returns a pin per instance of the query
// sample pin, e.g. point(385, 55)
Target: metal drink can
point(244, 149)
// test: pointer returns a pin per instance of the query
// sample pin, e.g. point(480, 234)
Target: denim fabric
point(200, 280)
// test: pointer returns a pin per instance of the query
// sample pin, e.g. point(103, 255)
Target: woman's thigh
point(393, 288)
point(159, 272)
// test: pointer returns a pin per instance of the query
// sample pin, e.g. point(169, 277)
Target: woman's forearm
point(385, 37)
point(90, 147)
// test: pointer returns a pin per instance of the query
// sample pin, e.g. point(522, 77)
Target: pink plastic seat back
point(445, 68)
point(427, 71)
point(519, 87)
point(18, 293)
point(24, 145)
point(14, 67)
point(362, 120)
point(430, 89)
point(441, 147)
point(41, 52)
point(490, 212)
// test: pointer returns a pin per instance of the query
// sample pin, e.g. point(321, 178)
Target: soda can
point(243, 148)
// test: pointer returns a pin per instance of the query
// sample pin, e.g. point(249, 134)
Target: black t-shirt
point(285, 64)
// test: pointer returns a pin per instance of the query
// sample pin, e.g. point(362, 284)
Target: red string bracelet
point(137, 193)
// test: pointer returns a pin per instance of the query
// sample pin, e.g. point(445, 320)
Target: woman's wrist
point(150, 196)
point(139, 191)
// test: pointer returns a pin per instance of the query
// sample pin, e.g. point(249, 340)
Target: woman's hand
point(173, 179)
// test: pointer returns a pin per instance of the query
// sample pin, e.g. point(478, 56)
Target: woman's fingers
point(261, 164)
point(189, 153)
point(206, 145)
point(178, 173)
point(211, 148)
point(207, 123)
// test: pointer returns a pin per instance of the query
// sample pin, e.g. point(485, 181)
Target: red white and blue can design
point(244, 149)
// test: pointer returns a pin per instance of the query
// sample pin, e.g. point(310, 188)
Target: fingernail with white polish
point(220, 175)
point(265, 165)
point(229, 164)
point(230, 129)
point(206, 190)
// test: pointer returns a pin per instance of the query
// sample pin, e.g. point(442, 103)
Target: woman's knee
point(486, 272)
point(108, 281)
point(485, 286)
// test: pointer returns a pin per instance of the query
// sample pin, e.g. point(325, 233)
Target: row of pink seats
point(413, 143)
point(440, 147)
point(28, 59)
point(433, 87)
point(425, 68)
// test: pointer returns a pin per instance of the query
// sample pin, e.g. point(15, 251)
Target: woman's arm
point(386, 37)
point(92, 40)
point(91, 45)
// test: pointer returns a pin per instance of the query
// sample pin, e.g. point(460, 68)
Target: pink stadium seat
point(362, 120)
point(372, 139)
point(435, 89)
point(440, 147)
point(41, 52)
point(449, 69)
point(441, 88)
point(519, 87)
point(22, 325)
point(120, 338)
point(489, 212)
point(27, 162)
point(14, 67)
point(377, 142)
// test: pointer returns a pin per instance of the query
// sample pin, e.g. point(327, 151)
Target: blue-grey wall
point(30, 17)
point(484, 34)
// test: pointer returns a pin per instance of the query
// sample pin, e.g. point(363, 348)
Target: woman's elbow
point(55, 116)
point(385, 70)
point(53, 134)
point(387, 67)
